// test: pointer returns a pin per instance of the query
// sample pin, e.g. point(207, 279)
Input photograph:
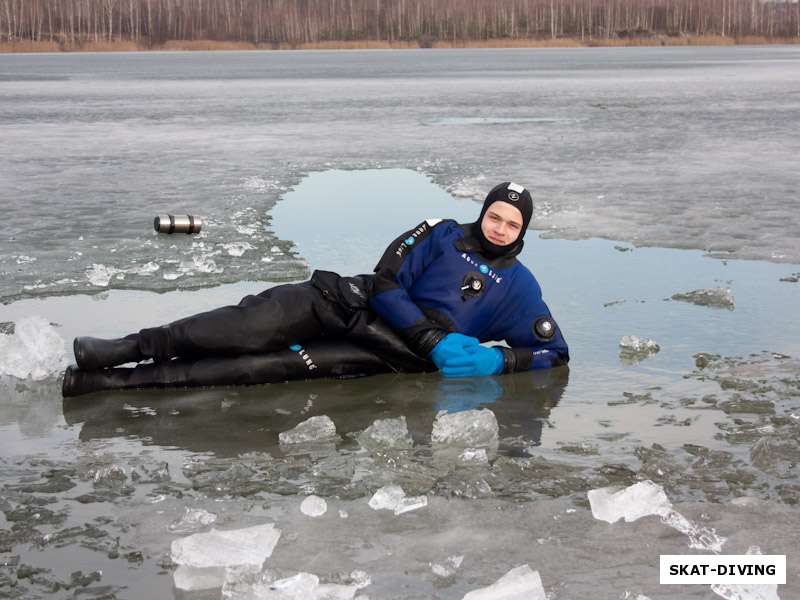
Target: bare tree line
point(311, 21)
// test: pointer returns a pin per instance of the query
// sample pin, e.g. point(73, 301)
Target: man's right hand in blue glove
point(452, 348)
point(478, 362)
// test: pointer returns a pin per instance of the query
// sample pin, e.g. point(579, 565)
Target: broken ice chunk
point(204, 556)
point(636, 345)
point(387, 497)
point(314, 506)
point(408, 504)
point(469, 429)
point(714, 297)
point(700, 538)
point(360, 579)
point(298, 586)
point(449, 568)
point(647, 498)
point(35, 350)
point(192, 520)
point(474, 456)
point(392, 497)
point(746, 591)
point(315, 429)
point(632, 503)
point(520, 583)
point(303, 586)
point(190, 579)
point(386, 433)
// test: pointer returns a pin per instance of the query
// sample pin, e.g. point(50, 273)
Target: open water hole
point(609, 419)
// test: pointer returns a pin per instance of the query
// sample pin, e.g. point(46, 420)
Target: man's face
point(502, 224)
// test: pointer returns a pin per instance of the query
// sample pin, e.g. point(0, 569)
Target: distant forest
point(424, 21)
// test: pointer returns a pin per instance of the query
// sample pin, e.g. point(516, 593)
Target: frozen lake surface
point(317, 160)
point(681, 147)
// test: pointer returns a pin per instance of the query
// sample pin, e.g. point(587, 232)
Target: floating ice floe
point(244, 585)
point(203, 263)
point(474, 456)
point(644, 499)
point(315, 429)
point(193, 519)
point(237, 248)
point(630, 344)
point(468, 429)
point(714, 297)
point(146, 269)
point(35, 350)
point(386, 433)
point(392, 497)
point(449, 568)
point(109, 476)
point(203, 557)
point(313, 506)
point(520, 583)
point(100, 275)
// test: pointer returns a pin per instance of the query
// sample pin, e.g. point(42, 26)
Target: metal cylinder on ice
point(177, 224)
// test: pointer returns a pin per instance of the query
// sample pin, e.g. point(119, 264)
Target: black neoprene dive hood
point(518, 197)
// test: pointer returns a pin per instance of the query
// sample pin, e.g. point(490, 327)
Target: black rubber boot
point(77, 382)
point(92, 354)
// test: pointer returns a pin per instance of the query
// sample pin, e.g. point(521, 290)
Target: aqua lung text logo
point(411, 240)
point(484, 269)
point(301, 352)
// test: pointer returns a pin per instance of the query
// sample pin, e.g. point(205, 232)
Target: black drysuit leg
point(267, 322)
point(321, 358)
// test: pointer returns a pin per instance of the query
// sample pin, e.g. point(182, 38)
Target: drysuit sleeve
point(534, 338)
point(402, 263)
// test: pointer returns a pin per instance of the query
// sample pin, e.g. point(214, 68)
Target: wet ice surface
point(497, 470)
point(682, 147)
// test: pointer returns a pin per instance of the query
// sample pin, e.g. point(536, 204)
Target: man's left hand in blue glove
point(477, 361)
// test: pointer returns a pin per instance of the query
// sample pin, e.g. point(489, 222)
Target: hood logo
point(513, 196)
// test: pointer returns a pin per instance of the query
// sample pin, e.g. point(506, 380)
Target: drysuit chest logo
point(411, 240)
point(301, 352)
point(484, 269)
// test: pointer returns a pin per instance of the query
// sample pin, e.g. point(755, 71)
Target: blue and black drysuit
point(433, 280)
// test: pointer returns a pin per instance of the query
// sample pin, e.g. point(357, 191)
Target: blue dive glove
point(452, 346)
point(477, 362)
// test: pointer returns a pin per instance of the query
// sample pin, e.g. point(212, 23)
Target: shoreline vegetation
point(45, 46)
point(180, 25)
